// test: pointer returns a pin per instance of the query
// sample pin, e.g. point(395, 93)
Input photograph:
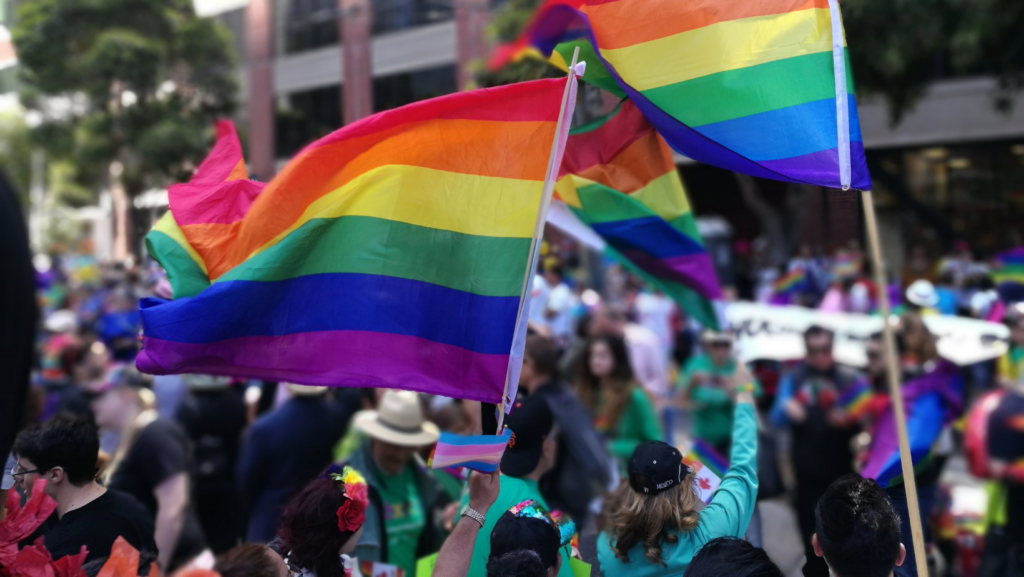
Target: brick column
point(357, 71)
point(471, 18)
point(259, 24)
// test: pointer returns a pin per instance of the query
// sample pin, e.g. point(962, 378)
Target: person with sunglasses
point(708, 386)
point(806, 403)
point(62, 453)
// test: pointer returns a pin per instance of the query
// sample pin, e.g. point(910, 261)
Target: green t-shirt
point(713, 405)
point(512, 491)
point(404, 518)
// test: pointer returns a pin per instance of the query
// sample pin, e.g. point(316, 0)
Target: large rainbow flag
point(391, 253)
point(762, 88)
point(618, 177)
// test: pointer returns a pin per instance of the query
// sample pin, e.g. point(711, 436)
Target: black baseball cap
point(512, 533)
point(530, 422)
point(656, 466)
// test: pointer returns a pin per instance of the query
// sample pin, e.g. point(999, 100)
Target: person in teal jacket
point(658, 499)
point(622, 410)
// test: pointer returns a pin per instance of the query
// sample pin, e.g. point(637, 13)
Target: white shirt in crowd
point(539, 302)
point(654, 311)
point(649, 364)
point(560, 302)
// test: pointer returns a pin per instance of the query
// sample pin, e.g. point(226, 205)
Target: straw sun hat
point(398, 421)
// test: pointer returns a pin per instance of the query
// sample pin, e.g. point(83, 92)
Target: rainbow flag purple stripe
point(711, 458)
point(477, 452)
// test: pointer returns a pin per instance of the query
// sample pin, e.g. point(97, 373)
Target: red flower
point(357, 491)
point(351, 516)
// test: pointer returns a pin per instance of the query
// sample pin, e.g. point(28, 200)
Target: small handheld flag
point(478, 452)
point(706, 481)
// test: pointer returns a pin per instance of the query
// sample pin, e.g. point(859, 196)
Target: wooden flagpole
point(893, 372)
point(538, 232)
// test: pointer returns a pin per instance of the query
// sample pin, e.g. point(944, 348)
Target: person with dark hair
point(856, 530)
point(622, 410)
point(581, 466)
point(531, 452)
point(323, 524)
point(806, 403)
point(251, 560)
point(526, 542)
point(653, 525)
point(63, 453)
point(732, 557)
point(153, 463)
point(646, 358)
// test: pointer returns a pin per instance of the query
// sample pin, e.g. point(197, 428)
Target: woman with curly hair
point(651, 525)
point(323, 523)
point(622, 410)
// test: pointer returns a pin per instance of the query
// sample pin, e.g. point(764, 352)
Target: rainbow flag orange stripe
point(391, 253)
point(746, 86)
point(791, 283)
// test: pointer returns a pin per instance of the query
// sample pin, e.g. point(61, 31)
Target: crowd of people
point(243, 477)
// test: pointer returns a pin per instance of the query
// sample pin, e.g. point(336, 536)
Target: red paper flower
point(351, 516)
point(358, 492)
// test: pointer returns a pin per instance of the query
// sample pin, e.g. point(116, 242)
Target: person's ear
point(553, 571)
point(56, 475)
point(902, 556)
point(816, 546)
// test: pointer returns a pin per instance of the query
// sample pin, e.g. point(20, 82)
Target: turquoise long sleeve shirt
point(727, 516)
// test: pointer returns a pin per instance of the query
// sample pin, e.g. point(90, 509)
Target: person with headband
point(323, 524)
point(651, 526)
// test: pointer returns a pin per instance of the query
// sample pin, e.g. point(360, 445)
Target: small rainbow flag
point(855, 400)
point(791, 283)
point(477, 452)
point(703, 452)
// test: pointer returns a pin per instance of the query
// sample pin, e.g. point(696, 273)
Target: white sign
point(205, 8)
point(772, 332)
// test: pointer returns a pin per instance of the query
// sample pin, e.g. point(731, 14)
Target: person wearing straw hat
point(404, 497)
point(285, 449)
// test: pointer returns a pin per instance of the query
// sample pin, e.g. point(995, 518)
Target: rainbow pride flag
point(791, 283)
point(477, 452)
point(706, 454)
point(1009, 266)
point(762, 88)
point(391, 253)
point(618, 177)
point(855, 399)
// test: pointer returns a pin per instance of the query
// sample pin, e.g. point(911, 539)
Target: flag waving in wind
point(757, 87)
point(618, 177)
point(391, 253)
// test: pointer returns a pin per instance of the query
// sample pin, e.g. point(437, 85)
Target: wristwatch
point(474, 515)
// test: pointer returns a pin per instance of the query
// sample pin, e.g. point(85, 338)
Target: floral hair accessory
point(352, 514)
point(560, 521)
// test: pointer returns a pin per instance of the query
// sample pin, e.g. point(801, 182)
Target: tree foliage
point(136, 81)
point(505, 27)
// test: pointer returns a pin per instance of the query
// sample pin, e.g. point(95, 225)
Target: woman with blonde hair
point(622, 410)
point(651, 525)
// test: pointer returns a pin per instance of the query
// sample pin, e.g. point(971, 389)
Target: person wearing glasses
point(708, 385)
point(62, 453)
point(806, 403)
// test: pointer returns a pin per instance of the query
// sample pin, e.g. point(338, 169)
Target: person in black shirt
point(63, 452)
point(153, 463)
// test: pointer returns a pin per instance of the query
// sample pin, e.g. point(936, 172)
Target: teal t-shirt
point(513, 491)
point(713, 405)
point(404, 518)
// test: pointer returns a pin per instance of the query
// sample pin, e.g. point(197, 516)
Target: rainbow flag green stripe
point(185, 270)
point(481, 265)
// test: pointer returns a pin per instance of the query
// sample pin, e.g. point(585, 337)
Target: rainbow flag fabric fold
point(478, 452)
point(391, 253)
point(746, 86)
point(794, 282)
point(618, 177)
point(1009, 266)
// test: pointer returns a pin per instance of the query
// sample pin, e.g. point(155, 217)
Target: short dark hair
point(857, 528)
point(518, 563)
point(512, 533)
point(733, 557)
point(543, 353)
point(70, 443)
point(247, 560)
point(815, 331)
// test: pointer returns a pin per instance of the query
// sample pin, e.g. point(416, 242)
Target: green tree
point(138, 82)
point(505, 27)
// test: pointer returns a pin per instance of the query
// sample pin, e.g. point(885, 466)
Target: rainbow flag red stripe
point(856, 399)
point(391, 253)
point(793, 282)
point(746, 86)
point(618, 176)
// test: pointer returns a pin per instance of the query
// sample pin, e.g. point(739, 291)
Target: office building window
point(392, 15)
point(302, 117)
point(311, 24)
point(401, 89)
